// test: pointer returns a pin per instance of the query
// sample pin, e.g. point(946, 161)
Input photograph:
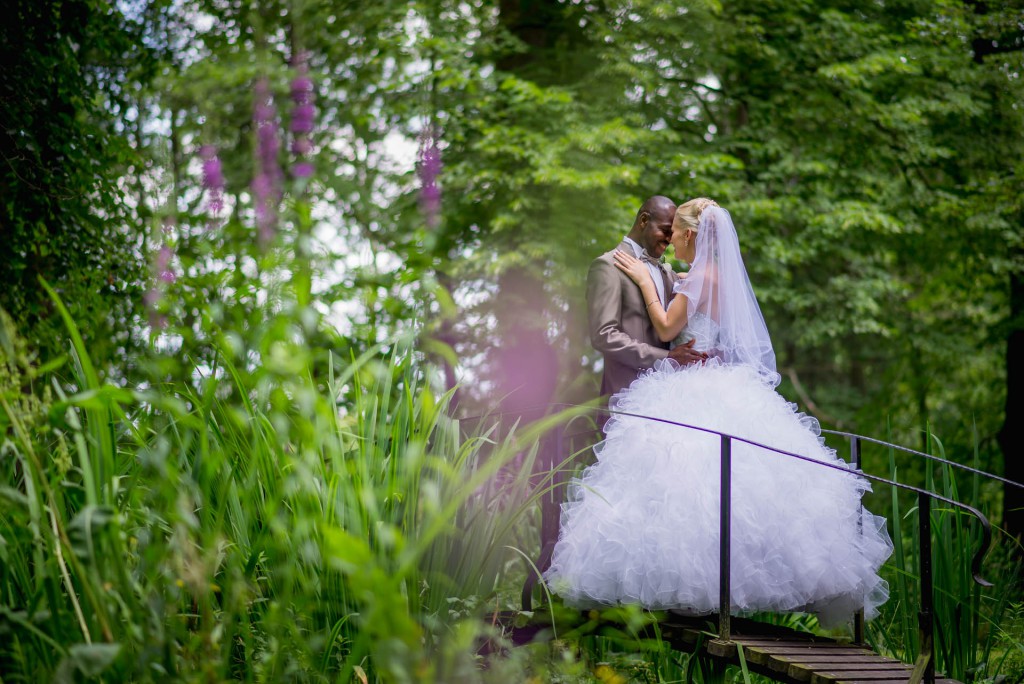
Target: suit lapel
point(668, 285)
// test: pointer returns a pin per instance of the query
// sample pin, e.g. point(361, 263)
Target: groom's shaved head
point(658, 205)
point(653, 225)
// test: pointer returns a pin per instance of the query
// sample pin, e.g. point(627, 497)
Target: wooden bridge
point(782, 654)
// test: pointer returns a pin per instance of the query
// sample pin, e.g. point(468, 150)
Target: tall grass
point(286, 514)
point(973, 626)
point(289, 520)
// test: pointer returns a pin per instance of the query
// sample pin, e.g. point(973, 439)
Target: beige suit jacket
point(619, 325)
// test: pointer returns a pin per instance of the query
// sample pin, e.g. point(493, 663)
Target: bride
point(642, 523)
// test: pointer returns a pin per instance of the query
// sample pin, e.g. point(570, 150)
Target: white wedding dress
point(641, 524)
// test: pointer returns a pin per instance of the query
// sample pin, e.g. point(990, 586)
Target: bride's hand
point(632, 267)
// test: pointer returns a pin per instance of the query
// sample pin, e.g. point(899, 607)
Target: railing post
point(725, 542)
point(858, 617)
point(926, 619)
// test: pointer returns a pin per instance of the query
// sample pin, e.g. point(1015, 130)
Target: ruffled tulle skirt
point(641, 524)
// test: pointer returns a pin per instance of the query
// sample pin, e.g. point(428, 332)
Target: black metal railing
point(926, 660)
point(856, 440)
point(925, 498)
point(855, 461)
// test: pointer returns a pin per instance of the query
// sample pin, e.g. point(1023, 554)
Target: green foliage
point(973, 624)
point(286, 494)
point(246, 526)
point(62, 213)
point(879, 233)
point(870, 239)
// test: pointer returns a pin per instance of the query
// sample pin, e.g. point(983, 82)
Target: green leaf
point(91, 660)
point(346, 552)
point(86, 527)
point(13, 496)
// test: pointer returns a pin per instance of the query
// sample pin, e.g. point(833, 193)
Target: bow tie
point(644, 256)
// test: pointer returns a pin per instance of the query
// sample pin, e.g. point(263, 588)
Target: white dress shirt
point(655, 269)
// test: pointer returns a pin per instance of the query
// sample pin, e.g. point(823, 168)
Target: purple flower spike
point(213, 178)
point(163, 264)
point(303, 117)
point(266, 228)
point(266, 186)
point(268, 144)
point(302, 86)
point(263, 108)
point(301, 147)
point(429, 169)
point(163, 275)
point(261, 188)
point(302, 170)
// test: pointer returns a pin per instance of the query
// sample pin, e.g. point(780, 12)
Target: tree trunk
point(1011, 436)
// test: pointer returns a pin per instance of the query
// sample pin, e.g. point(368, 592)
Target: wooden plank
point(802, 672)
point(823, 649)
point(860, 676)
point(800, 637)
point(805, 640)
point(860, 665)
point(820, 658)
point(900, 678)
point(796, 651)
point(875, 681)
point(759, 657)
point(721, 649)
point(727, 649)
point(798, 673)
point(825, 676)
point(827, 646)
point(783, 662)
point(796, 645)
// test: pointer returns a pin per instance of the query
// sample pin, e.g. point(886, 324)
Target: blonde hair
point(689, 213)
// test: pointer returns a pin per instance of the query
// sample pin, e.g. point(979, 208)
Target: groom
point(619, 325)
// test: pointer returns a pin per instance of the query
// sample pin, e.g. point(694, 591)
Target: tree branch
point(808, 402)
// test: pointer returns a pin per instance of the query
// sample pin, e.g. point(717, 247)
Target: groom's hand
point(685, 354)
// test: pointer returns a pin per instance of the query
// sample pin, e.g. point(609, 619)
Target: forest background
point(467, 160)
point(870, 154)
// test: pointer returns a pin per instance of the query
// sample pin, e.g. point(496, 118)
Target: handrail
point(851, 435)
point(932, 457)
point(985, 524)
point(926, 659)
